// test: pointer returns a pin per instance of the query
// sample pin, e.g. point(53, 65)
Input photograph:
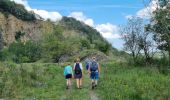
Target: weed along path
point(86, 93)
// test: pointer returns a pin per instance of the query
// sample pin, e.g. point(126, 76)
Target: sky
point(104, 15)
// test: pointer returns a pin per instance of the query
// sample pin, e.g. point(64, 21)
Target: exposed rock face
point(33, 29)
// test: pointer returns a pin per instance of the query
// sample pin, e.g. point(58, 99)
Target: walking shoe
point(93, 85)
point(67, 87)
point(80, 87)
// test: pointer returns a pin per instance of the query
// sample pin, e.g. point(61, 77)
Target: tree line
point(18, 10)
point(146, 39)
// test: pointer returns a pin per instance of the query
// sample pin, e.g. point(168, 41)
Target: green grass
point(130, 83)
point(39, 82)
point(117, 82)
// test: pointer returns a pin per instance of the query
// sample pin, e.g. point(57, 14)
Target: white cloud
point(108, 31)
point(81, 17)
point(53, 16)
point(147, 11)
point(129, 16)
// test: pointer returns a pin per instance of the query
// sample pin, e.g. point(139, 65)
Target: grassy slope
point(40, 82)
point(121, 82)
point(46, 82)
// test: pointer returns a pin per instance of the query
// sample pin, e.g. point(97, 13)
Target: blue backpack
point(94, 66)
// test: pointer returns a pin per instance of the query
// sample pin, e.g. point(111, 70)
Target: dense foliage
point(160, 26)
point(22, 52)
point(92, 35)
point(18, 10)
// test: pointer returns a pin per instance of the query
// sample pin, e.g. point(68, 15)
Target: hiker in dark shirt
point(78, 73)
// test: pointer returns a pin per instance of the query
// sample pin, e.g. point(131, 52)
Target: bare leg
point(80, 82)
point(95, 82)
point(67, 83)
point(78, 85)
point(92, 81)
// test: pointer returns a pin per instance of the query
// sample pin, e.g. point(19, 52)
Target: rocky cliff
point(34, 30)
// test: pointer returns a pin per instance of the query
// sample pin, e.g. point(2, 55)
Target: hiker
point(78, 73)
point(87, 62)
point(68, 73)
point(94, 71)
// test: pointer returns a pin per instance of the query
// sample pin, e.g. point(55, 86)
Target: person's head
point(77, 60)
point(68, 63)
point(94, 58)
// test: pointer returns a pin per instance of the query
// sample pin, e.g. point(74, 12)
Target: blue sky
point(103, 15)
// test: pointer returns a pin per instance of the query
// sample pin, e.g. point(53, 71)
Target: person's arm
point(64, 71)
point(99, 69)
point(72, 72)
point(74, 66)
point(89, 69)
point(81, 66)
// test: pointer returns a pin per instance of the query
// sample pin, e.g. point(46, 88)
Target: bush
point(22, 52)
point(103, 46)
point(17, 10)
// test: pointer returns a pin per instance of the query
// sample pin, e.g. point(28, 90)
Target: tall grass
point(121, 82)
point(118, 81)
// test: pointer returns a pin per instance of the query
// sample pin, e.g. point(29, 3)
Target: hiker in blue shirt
point(68, 73)
point(94, 71)
point(87, 62)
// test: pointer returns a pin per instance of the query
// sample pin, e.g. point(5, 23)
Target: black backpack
point(94, 66)
point(77, 68)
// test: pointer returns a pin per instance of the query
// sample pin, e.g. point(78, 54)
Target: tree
point(18, 10)
point(160, 26)
point(146, 44)
point(130, 34)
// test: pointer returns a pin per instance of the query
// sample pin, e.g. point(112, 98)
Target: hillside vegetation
point(29, 40)
point(18, 10)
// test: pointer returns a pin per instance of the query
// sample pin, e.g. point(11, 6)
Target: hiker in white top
point(78, 73)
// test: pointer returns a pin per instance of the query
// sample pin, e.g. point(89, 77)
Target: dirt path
point(74, 93)
point(93, 96)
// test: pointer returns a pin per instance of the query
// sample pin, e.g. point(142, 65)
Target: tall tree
point(146, 43)
point(160, 26)
point(130, 34)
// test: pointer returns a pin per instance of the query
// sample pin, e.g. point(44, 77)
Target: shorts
point(68, 76)
point(94, 75)
point(78, 76)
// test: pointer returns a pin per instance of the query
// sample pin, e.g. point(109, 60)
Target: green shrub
point(17, 10)
point(22, 52)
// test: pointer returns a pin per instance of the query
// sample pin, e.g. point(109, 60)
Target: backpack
point(88, 65)
point(77, 68)
point(94, 66)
